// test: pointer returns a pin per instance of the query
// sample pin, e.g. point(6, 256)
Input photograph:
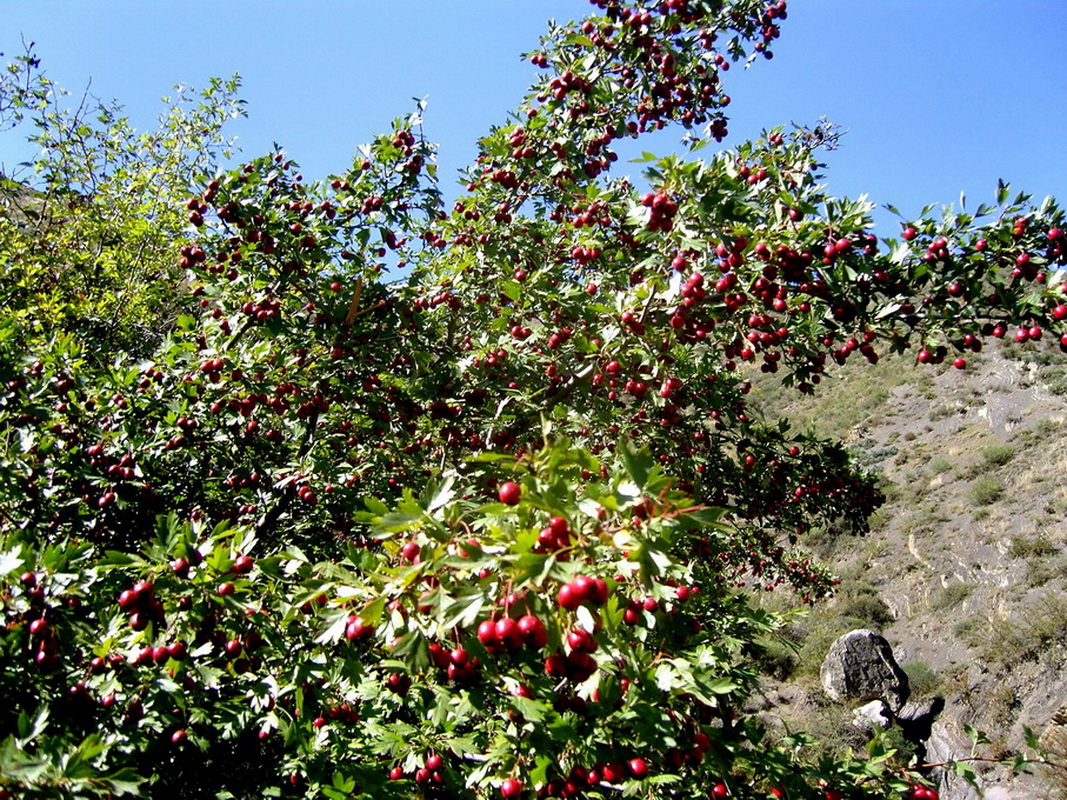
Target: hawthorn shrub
point(294, 527)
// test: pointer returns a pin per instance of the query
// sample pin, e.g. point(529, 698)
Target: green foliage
point(922, 679)
point(88, 238)
point(985, 490)
point(997, 455)
point(861, 601)
point(940, 465)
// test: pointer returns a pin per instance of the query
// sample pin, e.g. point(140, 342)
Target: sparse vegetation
point(922, 679)
point(951, 596)
point(997, 455)
point(940, 465)
point(984, 491)
point(1026, 633)
point(971, 630)
point(942, 411)
point(1040, 571)
point(1036, 546)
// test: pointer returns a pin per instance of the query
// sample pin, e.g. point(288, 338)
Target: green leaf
point(644, 158)
point(513, 290)
point(721, 686)
point(438, 496)
point(375, 506)
point(11, 560)
point(637, 463)
point(124, 781)
point(345, 785)
point(27, 731)
point(336, 619)
point(1003, 190)
point(116, 558)
point(464, 609)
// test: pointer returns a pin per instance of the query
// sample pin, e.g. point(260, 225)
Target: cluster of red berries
point(342, 712)
point(460, 666)
point(581, 778)
point(498, 636)
point(581, 591)
point(663, 211)
point(45, 640)
point(266, 308)
point(920, 792)
point(141, 603)
point(161, 654)
point(431, 772)
point(578, 665)
point(555, 536)
point(357, 629)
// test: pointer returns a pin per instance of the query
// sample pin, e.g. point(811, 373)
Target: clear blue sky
point(938, 96)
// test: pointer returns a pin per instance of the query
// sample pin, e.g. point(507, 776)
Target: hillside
point(964, 570)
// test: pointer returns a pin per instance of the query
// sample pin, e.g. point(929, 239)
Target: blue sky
point(938, 96)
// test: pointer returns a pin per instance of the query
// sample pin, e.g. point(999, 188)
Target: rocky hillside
point(965, 569)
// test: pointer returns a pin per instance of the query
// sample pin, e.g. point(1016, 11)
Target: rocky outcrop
point(861, 666)
point(916, 719)
point(948, 741)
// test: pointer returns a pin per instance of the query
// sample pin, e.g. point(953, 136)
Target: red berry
point(638, 768)
point(585, 588)
point(511, 788)
point(613, 773)
point(510, 493)
point(357, 628)
point(533, 631)
point(39, 627)
point(556, 666)
point(569, 597)
point(509, 634)
point(487, 633)
point(600, 592)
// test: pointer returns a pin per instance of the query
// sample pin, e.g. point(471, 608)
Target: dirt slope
point(965, 570)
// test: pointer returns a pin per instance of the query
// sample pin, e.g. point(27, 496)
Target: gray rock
point(872, 715)
point(917, 717)
point(947, 741)
point(861, 666)
point(915, 710)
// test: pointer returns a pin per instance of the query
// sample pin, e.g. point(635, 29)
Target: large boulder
point(861, 666)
